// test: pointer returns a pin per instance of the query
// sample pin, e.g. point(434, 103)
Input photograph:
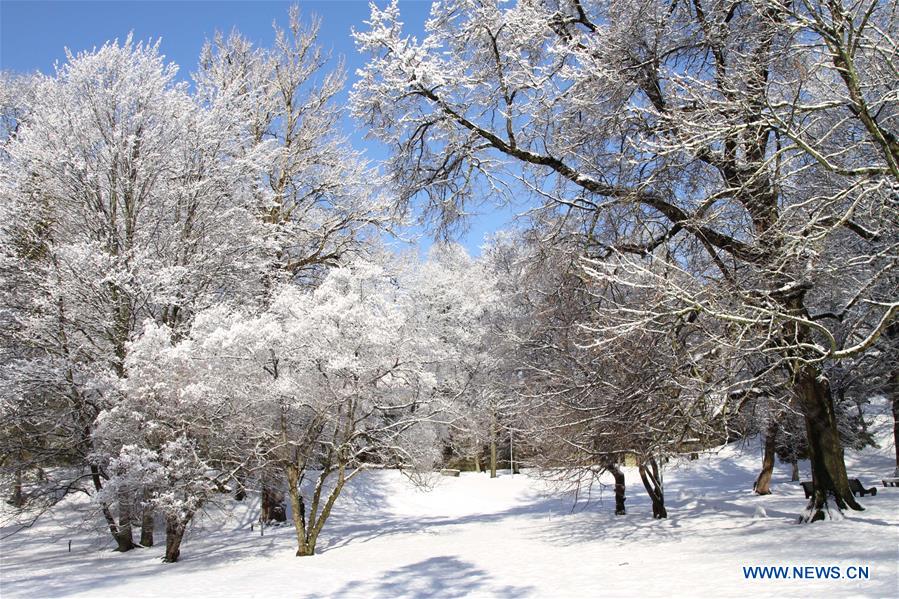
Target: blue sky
point(34, 33)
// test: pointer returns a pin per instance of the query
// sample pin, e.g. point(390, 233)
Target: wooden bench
point(890, 482)
point(857, 489)
point(449, 472)
point(854, 485)
point(809, 488)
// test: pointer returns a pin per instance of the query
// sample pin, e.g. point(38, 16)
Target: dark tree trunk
point(619, 488)
point(762, 484)
point(122, 534)
point(892, 388)
point(652, 481)
point(896, 423)
point(493, 454)
point(265, 505)
point(273, 508)
point(126, 519)
point(825, 448)
point(240, 489)
point(17, 499)
point(123, 539)
point(146, 526)
point(174, 534)
point(795, 471)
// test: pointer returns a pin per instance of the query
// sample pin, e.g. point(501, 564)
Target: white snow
point(507, 537)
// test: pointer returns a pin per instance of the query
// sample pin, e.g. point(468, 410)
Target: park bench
point(857, 489)
point(891, 482)
point(449, 472)
point(854, 485)
point(808, 487)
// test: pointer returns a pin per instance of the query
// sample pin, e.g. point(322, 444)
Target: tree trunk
point(619, 488)
point(892, 387)
point(18, 498)
point(825, 448)
point(477, 463)
point(240, 488)
point(272, 506)
point(493, 433)
point(892, 334)
point(146, 526)
point(652, 481)
point(298, 507)
point(307, 548)
point(123, 542)
point(493, 456)
point(123, 539)
point(762, 484)
point(513, 464)
point(317, 518)
point(896, 424)
point(124, 534)
point(795, 471)
point(265, 505)
point(126, 520)
point(174, 534)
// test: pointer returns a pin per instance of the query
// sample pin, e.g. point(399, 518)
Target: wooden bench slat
point(855, 486)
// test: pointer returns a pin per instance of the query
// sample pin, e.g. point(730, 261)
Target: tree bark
point(762, 484)
point(493, 448)
point(18, 498)
point(265, 505)
point(492, 458)
point(174, 534)
point(619, 488)
point(513, 463)
point(123, 538)
point(477, 463)
point(825, 448)
point(652, 481)
point(146, 526)
point(126, 519)
point(896, 425)
point(298, 507)
point(240, 488)
point(272, 506)
point(322, 517)
point(892, 335)
point(123, 541)
point(795, 471)
point(307, 535)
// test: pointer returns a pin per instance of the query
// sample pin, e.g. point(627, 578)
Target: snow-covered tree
point(124, 200)
point(736, 156)
point(130, 199)
point(326, 383)
point(321, 199)
point(320, 202)
point(177, 434)
point(458, 304)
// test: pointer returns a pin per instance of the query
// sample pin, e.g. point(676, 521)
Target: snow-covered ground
point(509, 537)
